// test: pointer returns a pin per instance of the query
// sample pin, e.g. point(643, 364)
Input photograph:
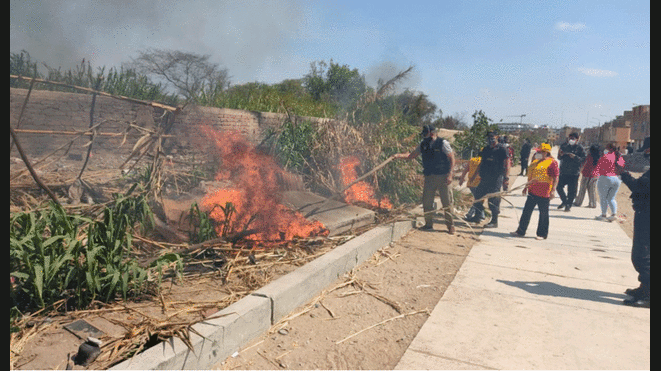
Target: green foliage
point(339, 85)
point(471, 141)
point(287, 97)
point(294, 144)
point(54, 255)
point(202, 228)
point(124, 82)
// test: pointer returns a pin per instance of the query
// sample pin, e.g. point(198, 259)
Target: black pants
point(542, 204)
point(486, 186)
point(571, 181)
point(640, 251)
point(524, 166)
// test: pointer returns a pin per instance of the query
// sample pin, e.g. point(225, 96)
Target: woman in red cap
point(543, 175)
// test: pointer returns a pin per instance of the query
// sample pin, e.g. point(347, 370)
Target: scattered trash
point(283, 331)
point(83, 330)
point(235, 354)
point(87, 352)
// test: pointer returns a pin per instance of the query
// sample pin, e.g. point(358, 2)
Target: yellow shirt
point(542, 173)
point(473, 163)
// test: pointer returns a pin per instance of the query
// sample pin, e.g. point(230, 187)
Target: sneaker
point(568, 207)
point(451, 229)
point(539, 238)
point(426, 227)
point(643, 302)
point(515, 234)
point(601, 217)
point(612, 218)
point(491, 224)
point(561, 206)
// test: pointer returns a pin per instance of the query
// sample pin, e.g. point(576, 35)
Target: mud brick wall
point(57, 111)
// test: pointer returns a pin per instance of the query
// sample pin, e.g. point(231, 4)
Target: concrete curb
point(231, 328)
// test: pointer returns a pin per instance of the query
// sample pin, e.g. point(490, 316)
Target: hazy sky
point(575, 63)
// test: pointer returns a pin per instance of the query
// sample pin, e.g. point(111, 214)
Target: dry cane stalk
point(381, 323)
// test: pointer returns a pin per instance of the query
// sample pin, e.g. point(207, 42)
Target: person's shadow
point(553, 289)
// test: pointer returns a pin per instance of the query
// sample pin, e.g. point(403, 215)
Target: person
point(589, 183)
point(608, 183)
point(571, 156)
point(510, 151)
point(543, 174)
point(629, 148)
point(437, 164)
point(525, 155)
point(494, 174)
point(640, 251)
point(470, 169)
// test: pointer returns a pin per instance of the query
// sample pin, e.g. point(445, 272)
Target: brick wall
point(57, 111)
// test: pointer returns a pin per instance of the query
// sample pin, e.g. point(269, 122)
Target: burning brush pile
point(251, 204)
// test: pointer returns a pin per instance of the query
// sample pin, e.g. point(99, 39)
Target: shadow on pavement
point(553, 289)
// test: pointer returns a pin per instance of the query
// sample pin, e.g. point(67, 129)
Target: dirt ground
point(388, 298)
point(390, 292)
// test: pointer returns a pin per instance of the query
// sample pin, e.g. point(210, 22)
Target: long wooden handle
point(375, 169)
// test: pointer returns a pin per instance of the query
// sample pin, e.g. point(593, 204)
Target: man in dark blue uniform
point(640, 251)
point(494, 174)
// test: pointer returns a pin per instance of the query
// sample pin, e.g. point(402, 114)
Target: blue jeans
point(607, 186)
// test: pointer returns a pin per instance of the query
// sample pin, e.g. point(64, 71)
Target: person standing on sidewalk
point(608, 183)
point(494, 174)
point(588, 182)
point(437, 165)
point(571, 156)
point(640, 251)
point(525, 155)
point(470, 169)
point(543, 175)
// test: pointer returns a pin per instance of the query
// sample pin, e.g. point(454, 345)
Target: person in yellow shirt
point(543, 174)
point(469, 169)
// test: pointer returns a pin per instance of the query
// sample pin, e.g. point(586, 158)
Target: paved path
point(520, 303)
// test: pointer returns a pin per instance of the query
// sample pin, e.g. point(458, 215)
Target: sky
point(577, 63)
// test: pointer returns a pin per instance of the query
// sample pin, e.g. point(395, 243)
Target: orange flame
point(256, 194)
point(361, 192)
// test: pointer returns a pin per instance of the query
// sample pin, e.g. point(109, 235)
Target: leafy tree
point(191, 75)
point(471, 141)
point(416, 108)
point(340, 85)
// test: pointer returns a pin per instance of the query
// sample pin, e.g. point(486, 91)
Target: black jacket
point(569, 165)
point(525, 150)
point(640, 190)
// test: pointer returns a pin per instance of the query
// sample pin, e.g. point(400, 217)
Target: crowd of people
point(598, 172)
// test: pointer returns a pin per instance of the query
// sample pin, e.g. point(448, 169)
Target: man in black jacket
point(571, 156)
point(640, 251)
point(437, 164)
point(525, 155)
point(494, 169)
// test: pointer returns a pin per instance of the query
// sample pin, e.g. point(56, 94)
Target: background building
point(640, 124)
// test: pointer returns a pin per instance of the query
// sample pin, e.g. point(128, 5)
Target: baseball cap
point(428, 129)
point(544, 147)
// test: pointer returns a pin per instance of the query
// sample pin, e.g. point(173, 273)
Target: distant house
point(640, 125)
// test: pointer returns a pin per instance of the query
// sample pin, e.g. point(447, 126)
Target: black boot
point(492, 224)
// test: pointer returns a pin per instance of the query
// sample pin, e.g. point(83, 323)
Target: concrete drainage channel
point(248, 318)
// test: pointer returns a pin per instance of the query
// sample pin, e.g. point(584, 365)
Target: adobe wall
point(58, 111)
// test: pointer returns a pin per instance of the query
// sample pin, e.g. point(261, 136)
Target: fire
point(256, 194)
point(360, 192)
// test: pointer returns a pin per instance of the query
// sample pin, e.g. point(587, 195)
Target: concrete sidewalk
point(520, 303)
